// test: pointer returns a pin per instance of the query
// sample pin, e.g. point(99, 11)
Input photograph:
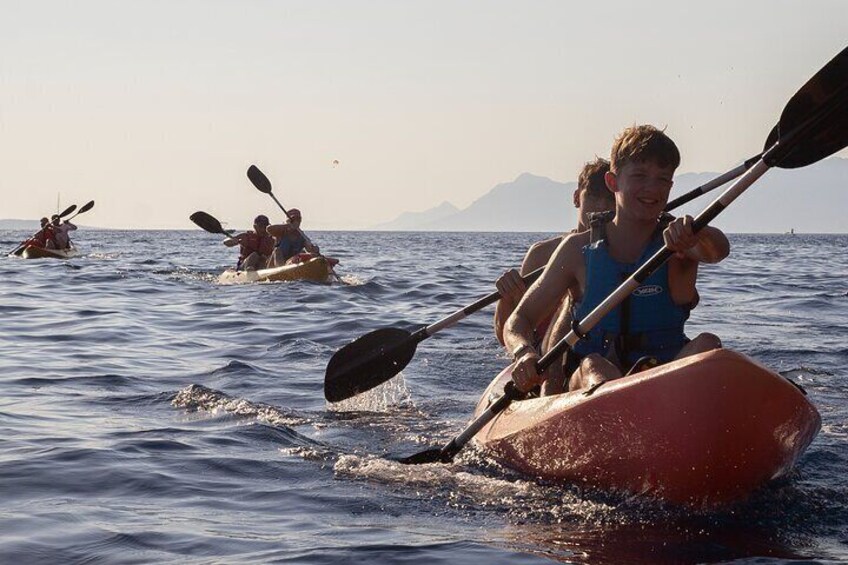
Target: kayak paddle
point(813, 125)
point(209, 223)
point(261, 182)
point(85, 208)
point(378, 356)
point(726, 177)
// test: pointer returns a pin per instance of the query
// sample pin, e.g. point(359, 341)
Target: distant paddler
point(59, 234)
point(41, 238)
point(289, 241)
point(256, 246)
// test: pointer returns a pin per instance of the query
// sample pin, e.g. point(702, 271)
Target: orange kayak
point(706, 430)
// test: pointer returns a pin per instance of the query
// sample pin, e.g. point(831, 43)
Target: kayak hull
point(34, 252)
point(706, 430)
point(316, 269)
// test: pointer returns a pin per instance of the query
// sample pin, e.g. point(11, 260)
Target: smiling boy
point(651, 321)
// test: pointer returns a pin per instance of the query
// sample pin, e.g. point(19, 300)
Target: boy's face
point(589, 203)
point(641, 188)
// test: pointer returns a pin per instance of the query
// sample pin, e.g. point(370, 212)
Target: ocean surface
point(149, 414)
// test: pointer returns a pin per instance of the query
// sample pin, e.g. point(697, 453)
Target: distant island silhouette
point(812, 199)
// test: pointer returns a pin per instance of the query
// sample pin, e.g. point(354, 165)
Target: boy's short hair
point(643, 143)
point(591, 179)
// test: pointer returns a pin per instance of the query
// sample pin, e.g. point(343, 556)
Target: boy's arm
point(233, 241)
point(276, 230)
point(709, 245)
point(543, 296)
point(512, 288)
point(712, 246)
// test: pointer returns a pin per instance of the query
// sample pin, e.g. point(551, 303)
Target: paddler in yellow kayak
point(256, 246)
point(651, 321)
point(41, 238)
point(59, 236)
point(289, 241)
point(590, 197)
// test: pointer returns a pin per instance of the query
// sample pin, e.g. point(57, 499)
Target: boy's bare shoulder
point(570, 249)
point(539, 254)
point(575, 242)
point(548, 245)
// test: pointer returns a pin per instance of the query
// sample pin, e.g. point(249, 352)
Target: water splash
point(198, 397)
point(383, 398)
point(353, 280)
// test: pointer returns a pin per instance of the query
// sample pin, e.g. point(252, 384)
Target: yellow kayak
point(316, 269)
point(34, 252)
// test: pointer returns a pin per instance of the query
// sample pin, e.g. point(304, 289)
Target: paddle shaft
point(449, 451)
point(713, 184)
point(487, 300)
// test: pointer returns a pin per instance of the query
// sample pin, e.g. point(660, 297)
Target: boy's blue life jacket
point(647, 323)
point(291, 246)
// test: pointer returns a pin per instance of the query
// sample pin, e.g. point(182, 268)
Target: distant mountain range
point(503, 208)
point(813, 199)
point(427, 217)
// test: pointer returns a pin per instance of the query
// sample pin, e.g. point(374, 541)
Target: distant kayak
point(316, 269)
point(705, 430)
point(34, 252)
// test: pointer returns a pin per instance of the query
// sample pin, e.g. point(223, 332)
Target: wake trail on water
point(198, 397)
point(474, 482)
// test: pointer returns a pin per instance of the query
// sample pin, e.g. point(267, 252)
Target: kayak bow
point(704, 430)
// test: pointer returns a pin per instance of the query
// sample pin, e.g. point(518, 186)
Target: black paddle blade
point(824, 96)
point(207, 222)
point(69, 210)
point(773, 136)
point(367, 362)
point(86, 208)
point(259, 180)
point(435, 455)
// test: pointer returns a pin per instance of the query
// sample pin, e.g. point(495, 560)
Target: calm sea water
point(148, 414)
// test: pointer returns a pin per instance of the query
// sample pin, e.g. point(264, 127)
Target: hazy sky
point(155, 109)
